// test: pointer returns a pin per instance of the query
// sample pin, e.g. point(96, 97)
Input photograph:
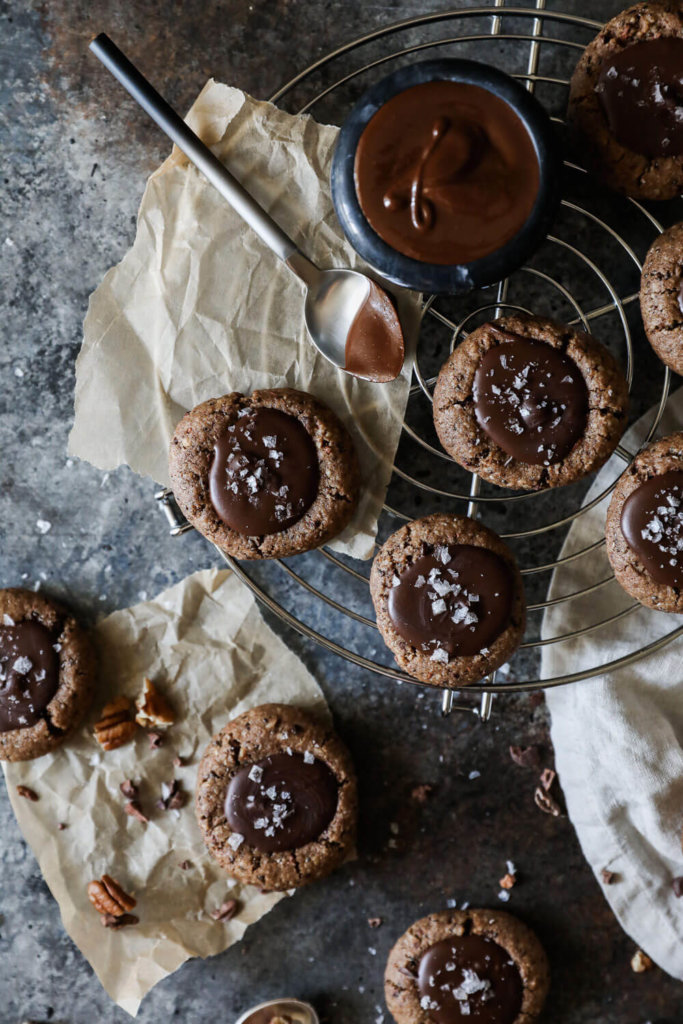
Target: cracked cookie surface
point(627, 171)
point(501, 977)
point(661, 297)
point(471, 446)
point(47, 668)
point(334, 494)
point(246, 766)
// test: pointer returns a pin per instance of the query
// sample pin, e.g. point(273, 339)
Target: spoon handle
point(193, 147)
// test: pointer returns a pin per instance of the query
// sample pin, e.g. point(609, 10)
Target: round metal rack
point(586, 274)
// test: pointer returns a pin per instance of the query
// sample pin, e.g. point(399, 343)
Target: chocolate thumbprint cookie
point(526, 402)
point(267, 475)
point(449, 600)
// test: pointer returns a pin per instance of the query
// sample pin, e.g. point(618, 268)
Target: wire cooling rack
point(587, 273)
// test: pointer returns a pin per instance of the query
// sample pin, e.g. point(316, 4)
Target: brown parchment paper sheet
point(206, 646)
point(199, 306)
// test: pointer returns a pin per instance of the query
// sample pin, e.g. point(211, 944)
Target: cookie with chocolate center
point(449, 599)
point(661, 297)
point(47, 668)
point(475, 965)
point(276, 798)
point(644, 529)
point(526, 402)
point(626, 101)
point(266, 475)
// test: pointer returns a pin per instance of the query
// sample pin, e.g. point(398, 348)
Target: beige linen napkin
point(206, 646)
point(199, 307)
point(619, 737)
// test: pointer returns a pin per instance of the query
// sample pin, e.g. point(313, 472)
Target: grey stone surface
point(76, 153)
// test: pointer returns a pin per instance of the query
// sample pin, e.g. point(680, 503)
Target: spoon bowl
point(294, 1009)
point(333, 301)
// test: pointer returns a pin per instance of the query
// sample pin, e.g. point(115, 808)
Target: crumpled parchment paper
point(199, 307)
point(205, 645)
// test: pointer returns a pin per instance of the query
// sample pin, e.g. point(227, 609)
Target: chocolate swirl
point(29, 674)
point(454, 600)
point(469, 978)
point(446, 172)
point(282, 802)
point(530, 399)
point(265, 474)
point(652, 523)
point(640, 89)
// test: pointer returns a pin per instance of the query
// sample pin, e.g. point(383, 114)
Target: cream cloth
point(209, 651)
point(618, 738)
point(199, 306)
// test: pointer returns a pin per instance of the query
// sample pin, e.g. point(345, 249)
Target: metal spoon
point(300, 1013)
point(334, 297)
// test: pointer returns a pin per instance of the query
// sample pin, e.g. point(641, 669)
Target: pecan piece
point(526, 757)
point(152, 709)
point(107, 897)
point(420, 794)
point(677, 886)
point(508, 881)
point(548, 776)
point(225, 912)
point(110, 921)
point(374, 922)
point(27, 793)
point(641, 962)
point(546, 803)
point(116, 726)
point(608, 877)
point(134, 810)
point(172, 796)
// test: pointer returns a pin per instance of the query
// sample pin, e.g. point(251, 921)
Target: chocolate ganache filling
point(530, 399)
point(471, 978)
point(29, 673)
point(265, 474)
point(452, 601)
point(641, 93)
point(282, 802)
point(446, 172)
point(652, 523)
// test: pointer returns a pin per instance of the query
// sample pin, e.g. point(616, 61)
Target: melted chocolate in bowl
point(530, 399)
point(374, 344)
point(452, 601)
point(264, 475)
point(641, 93)
point(652, 523)
point(282, 802)
point(446, 172)
point(29, 674)
point(469, 978)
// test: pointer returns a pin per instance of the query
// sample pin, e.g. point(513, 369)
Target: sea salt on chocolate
point(29, 674)
point(652, 523)
point(454, 600)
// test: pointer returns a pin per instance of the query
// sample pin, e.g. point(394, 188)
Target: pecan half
point(152, 709)
point(107, 897)
point(116, 726)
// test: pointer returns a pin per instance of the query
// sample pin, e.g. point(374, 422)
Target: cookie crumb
point(641, 962)
point(226, 911)
point(374, 922)
point(608, 877)
point(677, 886)
point(420, 794)
point(185, 865)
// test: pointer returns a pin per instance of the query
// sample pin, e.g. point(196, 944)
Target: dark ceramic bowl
point(449, 279)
